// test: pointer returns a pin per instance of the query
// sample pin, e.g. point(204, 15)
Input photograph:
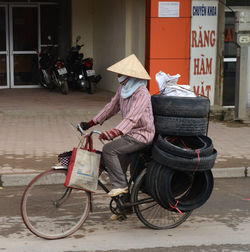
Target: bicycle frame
point(136, 201)
point(104, 188)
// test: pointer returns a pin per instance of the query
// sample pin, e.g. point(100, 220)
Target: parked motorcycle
point(53, 72)
point(81, 74)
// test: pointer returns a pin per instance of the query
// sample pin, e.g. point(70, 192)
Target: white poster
point(169, 9)
point(203, 47)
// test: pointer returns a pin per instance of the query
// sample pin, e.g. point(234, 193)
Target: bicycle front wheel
point(149, 212)
point(52, 211)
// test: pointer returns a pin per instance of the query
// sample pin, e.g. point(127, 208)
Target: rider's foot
point(117, 191)
point(117, 217)
point(127, 211)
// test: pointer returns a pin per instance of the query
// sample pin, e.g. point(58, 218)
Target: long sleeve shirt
point(137, 114)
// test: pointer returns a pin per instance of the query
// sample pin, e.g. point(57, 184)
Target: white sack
point(168, 85)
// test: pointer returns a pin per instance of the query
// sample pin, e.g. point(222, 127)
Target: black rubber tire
point(199, 190)
point(44, 84)
point(64, 87)
point(181, 186)
point(137, 166)
point(150, 213)
point(140, 162)
point(191, 145)
point(180, 126)
point(157, 170)
point(151, 179)
point(157, 188)
point(180, 106)
point(42, 80)
point(183, 164)
point(90, 88)
point(148, 181)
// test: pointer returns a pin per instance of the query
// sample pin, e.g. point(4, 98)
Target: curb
point(24, 179)
point(235, 172)
point(16, 179)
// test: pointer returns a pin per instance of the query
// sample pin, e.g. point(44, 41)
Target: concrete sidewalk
point(35, 128)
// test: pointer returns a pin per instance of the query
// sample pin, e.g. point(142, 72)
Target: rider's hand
point(87, 125)
point(110, 135)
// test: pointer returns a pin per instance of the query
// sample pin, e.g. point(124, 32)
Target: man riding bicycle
point(137, 126)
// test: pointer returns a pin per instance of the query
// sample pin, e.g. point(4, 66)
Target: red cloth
point(109, 135)
point(91, 123)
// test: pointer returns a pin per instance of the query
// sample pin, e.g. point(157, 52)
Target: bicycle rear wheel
point(149, 212)
point(52, 211)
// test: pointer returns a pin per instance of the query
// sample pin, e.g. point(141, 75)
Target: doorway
point(19, 28)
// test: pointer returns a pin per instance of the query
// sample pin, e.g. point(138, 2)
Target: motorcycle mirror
point(78, 38)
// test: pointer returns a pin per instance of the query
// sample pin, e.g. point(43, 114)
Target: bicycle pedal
point(122, 218)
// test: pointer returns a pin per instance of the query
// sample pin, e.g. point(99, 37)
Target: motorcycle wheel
point(64, 87)
point(44, 83)
point(83, 84)
point(90, 87)
point(61, 83)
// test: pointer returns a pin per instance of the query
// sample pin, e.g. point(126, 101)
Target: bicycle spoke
point(150, 212)
point(52, 211)
point(145, 209)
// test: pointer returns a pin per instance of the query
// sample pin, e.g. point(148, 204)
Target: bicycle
point(52, 211)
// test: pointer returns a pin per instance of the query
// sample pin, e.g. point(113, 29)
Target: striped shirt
point(137, 115)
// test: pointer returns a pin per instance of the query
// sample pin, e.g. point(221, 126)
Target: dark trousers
point(117, 155)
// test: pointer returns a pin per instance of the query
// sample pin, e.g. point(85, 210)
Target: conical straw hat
point(130, 66)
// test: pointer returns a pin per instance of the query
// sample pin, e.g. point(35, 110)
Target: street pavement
point(222, 224)
point(35, 126)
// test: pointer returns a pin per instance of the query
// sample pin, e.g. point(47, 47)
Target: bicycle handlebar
point(91, 133)
point(80, 128)
point(95, 132)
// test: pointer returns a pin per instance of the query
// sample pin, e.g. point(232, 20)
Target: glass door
point(4, 48)
point(24, 44)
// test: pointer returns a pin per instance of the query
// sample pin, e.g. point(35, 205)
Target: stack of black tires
point(179, 174)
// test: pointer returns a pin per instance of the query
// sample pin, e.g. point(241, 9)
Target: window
point(230, 48)
point(230, 53)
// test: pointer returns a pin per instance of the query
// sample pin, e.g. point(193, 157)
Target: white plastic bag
point(168, 85)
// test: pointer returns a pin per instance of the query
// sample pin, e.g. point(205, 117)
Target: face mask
point(122, 78)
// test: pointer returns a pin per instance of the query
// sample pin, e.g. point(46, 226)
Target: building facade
point(195, 38)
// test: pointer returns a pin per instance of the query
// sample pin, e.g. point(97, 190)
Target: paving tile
point(36, 124)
